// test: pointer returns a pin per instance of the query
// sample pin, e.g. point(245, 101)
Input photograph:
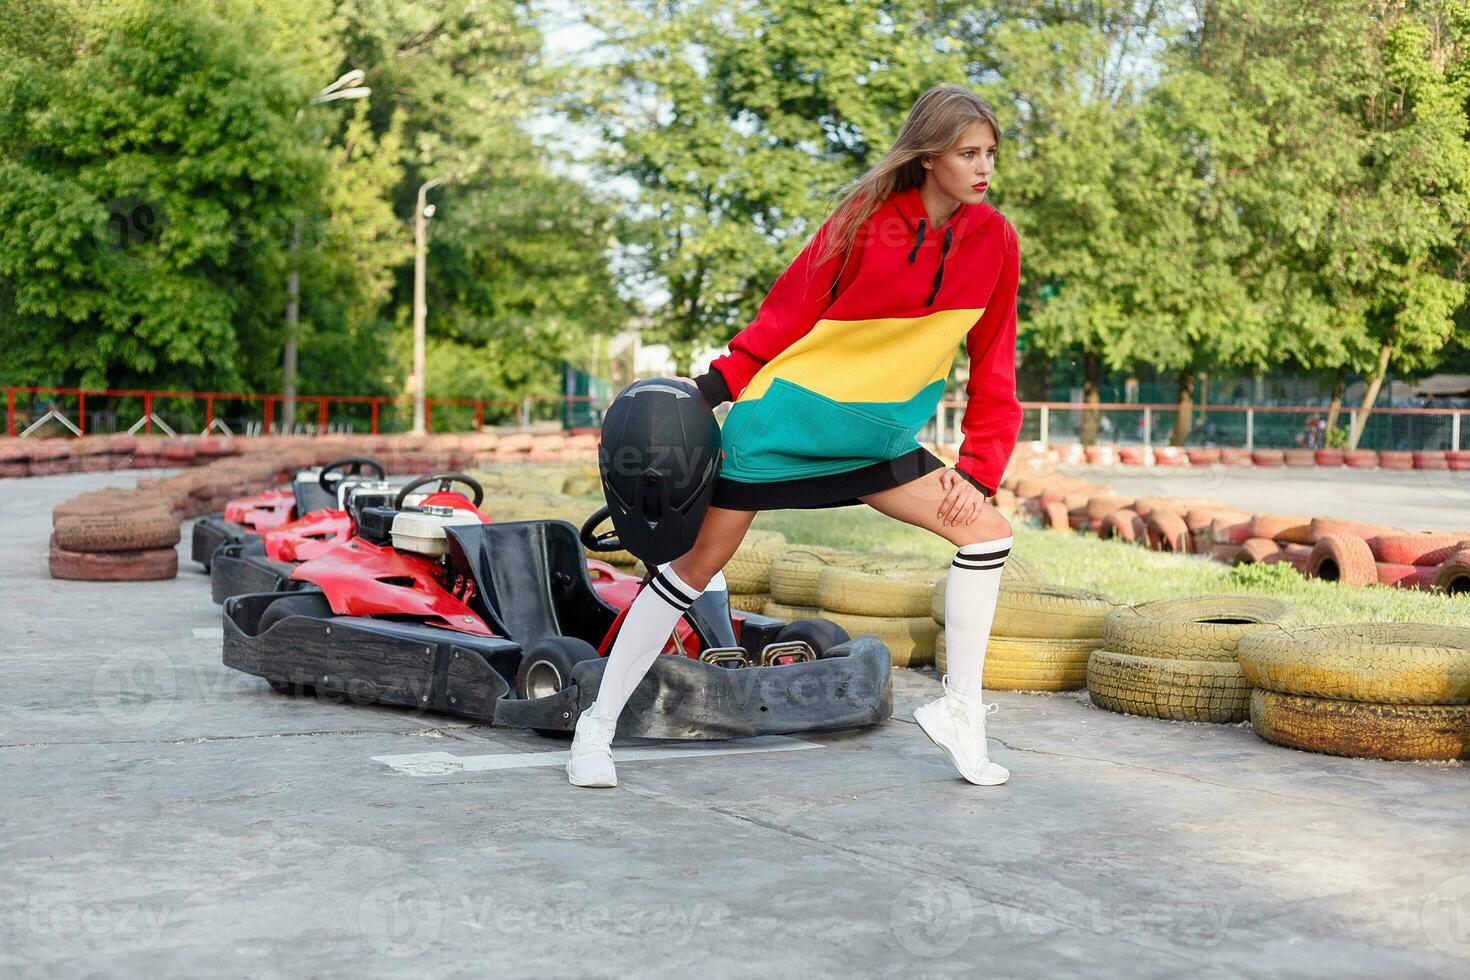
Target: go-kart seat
point(310, 496)
point(531, 580)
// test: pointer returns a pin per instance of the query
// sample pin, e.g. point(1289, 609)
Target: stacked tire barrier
point(1177, 658)
point(1327, 548)
point(1372, 690)
point(402, 453)
point(129, 533)
point(1040, 455)
point(1040, 639)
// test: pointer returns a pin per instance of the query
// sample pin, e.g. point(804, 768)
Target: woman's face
point(963, 171)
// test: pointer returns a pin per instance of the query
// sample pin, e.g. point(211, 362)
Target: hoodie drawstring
point(918, 240)
point(939, 273)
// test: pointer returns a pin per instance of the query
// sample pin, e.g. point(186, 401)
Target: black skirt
point(833, 490)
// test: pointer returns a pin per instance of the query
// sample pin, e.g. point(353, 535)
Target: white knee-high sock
point(970, 593)
point(655, 611)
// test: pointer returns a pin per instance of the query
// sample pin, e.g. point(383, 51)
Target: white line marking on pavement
point(209, 632)
point(443, 763)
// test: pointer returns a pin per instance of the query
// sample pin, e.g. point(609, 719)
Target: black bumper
point(234, 573)
point(365, 661)
point(210, 533)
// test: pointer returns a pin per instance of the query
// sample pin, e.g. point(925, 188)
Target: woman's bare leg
point(719, 537)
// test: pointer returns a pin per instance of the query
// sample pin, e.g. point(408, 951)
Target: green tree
point(142, 147)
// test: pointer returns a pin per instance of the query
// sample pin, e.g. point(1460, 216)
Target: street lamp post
point(423, 211)
point(344, 88)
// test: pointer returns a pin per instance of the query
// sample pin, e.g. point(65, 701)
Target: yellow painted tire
point(1054, 612)
point(1383, 663)
point(910, 639)
point(1207, 627)
point(1366, 731)
point(1178, 690)
point(791, 614)
point(747, 602)
point(882, 585)
point(1028, 664)
point(749, 569)
point(795, 574)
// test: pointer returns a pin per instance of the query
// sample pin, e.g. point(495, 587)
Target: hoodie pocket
point(794, 431)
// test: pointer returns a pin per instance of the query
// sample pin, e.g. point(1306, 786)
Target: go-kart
point(264, 562)
point(310, 490)
point(507, 624)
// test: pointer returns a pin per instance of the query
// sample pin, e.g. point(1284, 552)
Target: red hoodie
point(823, 384)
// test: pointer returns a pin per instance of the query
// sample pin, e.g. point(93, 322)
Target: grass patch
point(1127, 572)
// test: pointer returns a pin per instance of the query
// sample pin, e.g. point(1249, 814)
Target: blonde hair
point(936, 120)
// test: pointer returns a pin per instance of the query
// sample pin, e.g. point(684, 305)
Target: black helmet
point(659, 457)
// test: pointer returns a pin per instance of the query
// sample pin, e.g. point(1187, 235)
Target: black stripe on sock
point(663, 593)
point(978, 568)
point(990, 556)
point(675, 589)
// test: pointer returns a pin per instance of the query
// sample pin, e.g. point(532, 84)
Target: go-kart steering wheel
point(446, 480)
point(606, 541)
point(354, 465)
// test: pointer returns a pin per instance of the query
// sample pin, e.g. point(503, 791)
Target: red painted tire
point(1280, 527)
point(1100, 507)
point(1170, 456)
point(1119, 524)
point(1203, 456)
point(1131, 455)
point(1268, 457)
point(1289, 556)
point(1237, 457)
point(1406, 576)
point(1227, 553)
point(1453, 577)
point(1054, 516)
point(1360, 458)
point(1428, 548)
point(1256, 549)
point(1323, 526)
point(1342, 558)
point(1430, 460)
point(1100, 455)
point(1300, 457)
point(1229, 530)
point(1457, 459)
point(1327, 457)
point(140, 531)
point(1167, 531)
point(1396, 460)
point(115, 566)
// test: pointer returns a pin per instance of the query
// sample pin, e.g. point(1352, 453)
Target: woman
point(842, 366)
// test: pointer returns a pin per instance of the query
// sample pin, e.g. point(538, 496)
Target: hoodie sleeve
point(789, 311)
point(992, 418)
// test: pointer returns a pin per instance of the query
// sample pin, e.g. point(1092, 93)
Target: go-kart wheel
point(353, 466)
point(446, 480)
point(607, 540)
point(313, 604)
point(819, 634)
point(546, 669)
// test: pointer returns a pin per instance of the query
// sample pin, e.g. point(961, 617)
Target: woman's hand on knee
point(962, 503)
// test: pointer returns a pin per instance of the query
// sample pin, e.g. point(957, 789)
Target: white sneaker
point(590, 761)
point(956, 724)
